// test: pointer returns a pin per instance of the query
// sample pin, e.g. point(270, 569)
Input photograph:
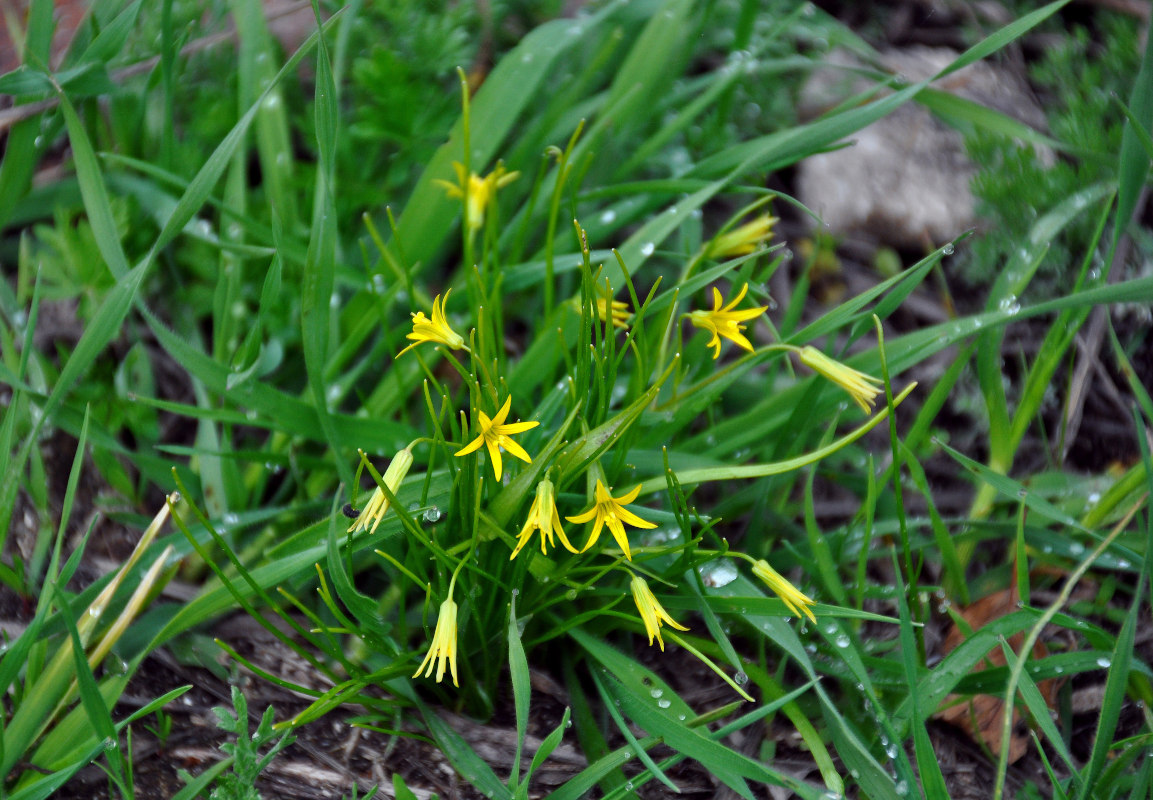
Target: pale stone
point(904, 180)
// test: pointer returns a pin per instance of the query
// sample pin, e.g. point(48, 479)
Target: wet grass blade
point(320, 264)
point(521, 692)
point(1117, 682)
point(1133, 160)
point(463, 758)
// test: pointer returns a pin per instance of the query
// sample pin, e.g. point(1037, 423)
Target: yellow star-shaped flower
point(611, 511)
point(797, 601)
point(481, 191)
point(653, 613)
point(436, 329)
point(494, 434)
point(443, 649)
point(726, 321)
point(543, 516)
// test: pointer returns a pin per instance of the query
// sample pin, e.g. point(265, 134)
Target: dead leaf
point(981, 715)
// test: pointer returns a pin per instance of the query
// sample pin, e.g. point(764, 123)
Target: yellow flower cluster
point(494, 434)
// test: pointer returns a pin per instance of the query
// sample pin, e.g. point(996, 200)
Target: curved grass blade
point(694, 476)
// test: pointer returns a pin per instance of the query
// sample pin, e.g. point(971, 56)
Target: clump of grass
point(245, 760)
point(553, 396)
point(1080, 82)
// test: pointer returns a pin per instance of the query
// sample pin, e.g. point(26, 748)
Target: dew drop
point(947, 249)
point(656, 693)
point(433, 515)
point(648, 248)
point(664, 703)
point(608, 217)
point(1105, 662)
point(717, 573)
point(1009, 305)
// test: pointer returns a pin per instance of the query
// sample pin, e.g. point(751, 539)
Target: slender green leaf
point(521, 690)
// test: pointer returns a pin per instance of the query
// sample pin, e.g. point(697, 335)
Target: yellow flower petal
point(471, 447)
point(585, 517)
point(494, 458)
point(632, 519)
point(514, 449)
